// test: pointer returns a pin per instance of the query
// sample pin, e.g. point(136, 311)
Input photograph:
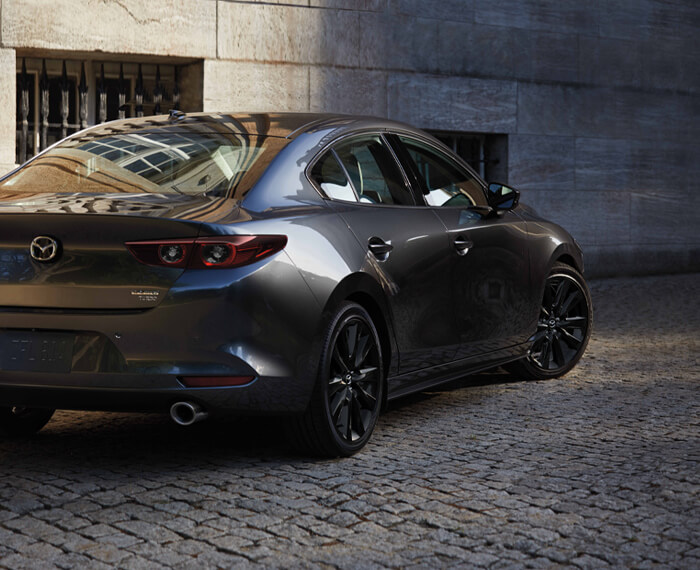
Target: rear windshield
point(159, 161)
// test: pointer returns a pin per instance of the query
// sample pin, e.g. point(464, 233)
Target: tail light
point(220, 252)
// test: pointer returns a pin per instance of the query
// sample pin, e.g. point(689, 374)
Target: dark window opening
point(486, 153)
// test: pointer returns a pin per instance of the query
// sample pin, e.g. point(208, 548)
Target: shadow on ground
point(76, 440)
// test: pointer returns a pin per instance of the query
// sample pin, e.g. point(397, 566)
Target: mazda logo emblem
point(43, 248)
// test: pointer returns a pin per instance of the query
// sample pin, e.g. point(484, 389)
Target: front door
point(489, 267)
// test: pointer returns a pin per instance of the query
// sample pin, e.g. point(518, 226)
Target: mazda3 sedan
point(305, 265)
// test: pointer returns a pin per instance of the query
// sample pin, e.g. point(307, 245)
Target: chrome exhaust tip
point(187, 413)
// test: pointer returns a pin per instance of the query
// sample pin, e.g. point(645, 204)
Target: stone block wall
point(7, 103)
point(599, 100)
point(167, 27)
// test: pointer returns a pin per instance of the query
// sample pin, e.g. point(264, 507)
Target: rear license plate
point(32, 351)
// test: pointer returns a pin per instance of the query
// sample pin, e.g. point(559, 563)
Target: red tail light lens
point(164, 252)
point(217, 253)
point(171, 253)
point(220, 252)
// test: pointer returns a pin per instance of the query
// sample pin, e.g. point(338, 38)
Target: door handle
point(463, 245)
point(379, 247)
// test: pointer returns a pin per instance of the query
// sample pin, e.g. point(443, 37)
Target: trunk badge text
point(145, 295)
point(44, 248)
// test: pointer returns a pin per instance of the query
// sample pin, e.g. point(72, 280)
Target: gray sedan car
point(305, 265)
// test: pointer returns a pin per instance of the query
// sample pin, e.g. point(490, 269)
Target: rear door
point(406, 245)
point(488, 253)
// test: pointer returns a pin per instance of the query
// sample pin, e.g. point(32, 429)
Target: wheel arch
point(568, 254)
point(362, 289)
point(568, 260)
point(544, 257)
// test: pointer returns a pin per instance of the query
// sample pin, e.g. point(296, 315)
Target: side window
point(448, 184)
point(329, 175)
point(373, 171)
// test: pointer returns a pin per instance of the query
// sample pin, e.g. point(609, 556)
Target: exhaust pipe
point(187, 413)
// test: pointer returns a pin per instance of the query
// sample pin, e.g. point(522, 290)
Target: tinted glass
point(162, 160)
point(330, 177)
point(448, 184)
point(373, 171)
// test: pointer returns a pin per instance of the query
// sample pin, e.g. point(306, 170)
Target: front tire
point(563, 329)
point(349, 388)
point(17, 421)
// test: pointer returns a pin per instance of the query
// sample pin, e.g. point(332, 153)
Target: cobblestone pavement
point(598, 468)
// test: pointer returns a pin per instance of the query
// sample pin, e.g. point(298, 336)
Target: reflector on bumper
point(215, 381)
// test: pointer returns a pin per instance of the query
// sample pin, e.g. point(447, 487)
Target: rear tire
point(349, 387)
point(17, 421)
point(563, 329)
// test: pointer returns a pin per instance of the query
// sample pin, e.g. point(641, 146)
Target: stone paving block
point(72, 523)
point(149, 531)
point(119, 540)
point(191, 547)
point(158, 553)
point(138, 563)
point(107, 553)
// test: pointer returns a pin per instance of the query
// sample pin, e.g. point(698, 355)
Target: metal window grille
point(56, 98)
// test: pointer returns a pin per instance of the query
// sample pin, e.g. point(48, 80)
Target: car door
point(489, 267)
point(406, 246)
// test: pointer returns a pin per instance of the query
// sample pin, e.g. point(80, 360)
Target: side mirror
point(502, 197)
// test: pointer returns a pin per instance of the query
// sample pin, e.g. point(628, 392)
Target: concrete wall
point(600, 100)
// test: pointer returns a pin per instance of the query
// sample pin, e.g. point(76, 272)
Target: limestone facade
point(599, 100)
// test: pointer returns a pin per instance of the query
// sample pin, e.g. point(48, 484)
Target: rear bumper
point(260, 320)
point(148, 393)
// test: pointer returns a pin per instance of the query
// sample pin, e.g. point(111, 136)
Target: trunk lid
point(173, 206)
point(92, 269)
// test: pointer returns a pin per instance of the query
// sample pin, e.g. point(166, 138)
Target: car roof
point(283, 125)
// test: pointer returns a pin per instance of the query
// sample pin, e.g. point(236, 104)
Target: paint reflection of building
point(100, 170)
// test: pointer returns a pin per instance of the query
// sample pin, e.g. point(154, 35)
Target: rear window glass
point(159, 160)
point(329, 175)
point(374, 173)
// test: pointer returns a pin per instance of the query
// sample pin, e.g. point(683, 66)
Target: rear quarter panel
point(328, 256)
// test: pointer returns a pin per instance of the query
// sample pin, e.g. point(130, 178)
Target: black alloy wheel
point(17, 421)
point(564, 326)
point(354, 379)
point(350, 387)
